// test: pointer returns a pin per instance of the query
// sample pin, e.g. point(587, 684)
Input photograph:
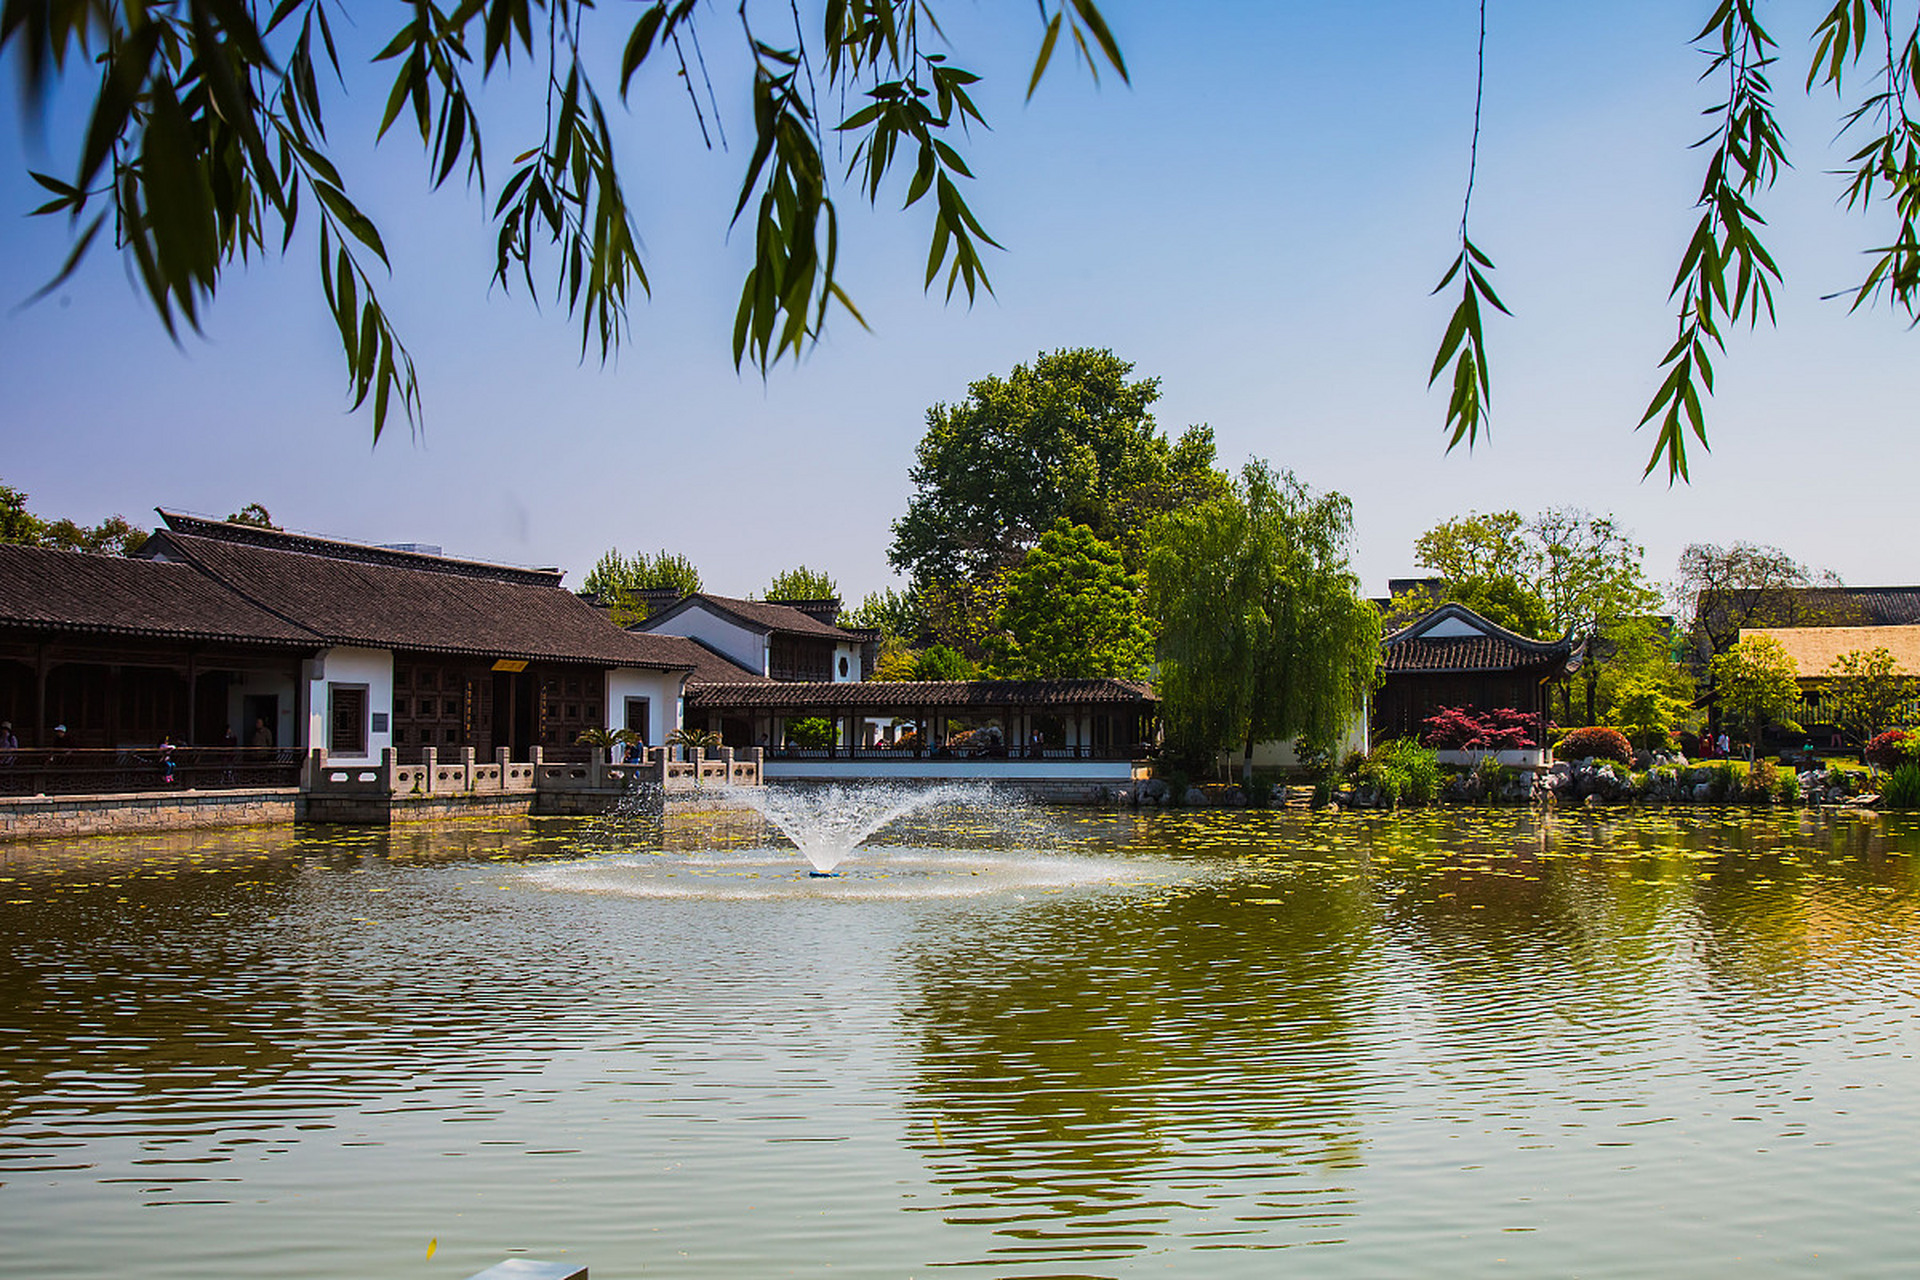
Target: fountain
point(828, 823)
point(946, 840)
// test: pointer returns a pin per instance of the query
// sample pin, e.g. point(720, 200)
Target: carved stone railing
point(463, 773)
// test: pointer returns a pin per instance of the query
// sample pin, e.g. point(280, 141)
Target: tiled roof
point(1464, 653)
point(755, 615)
point(333, 549)
point(112, 595)
point(1818, 606)
point(903, 695)
point(1813, 649)
point(1870, 606)
point(401, 604)
point(1493, 648)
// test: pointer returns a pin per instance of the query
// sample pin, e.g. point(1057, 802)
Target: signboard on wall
point(510, 664)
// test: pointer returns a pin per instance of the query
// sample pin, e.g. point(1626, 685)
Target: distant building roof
point(70, 591)
point(1813, 649)
point(1800, 607)
point(1453, 638)
point(901, 695)
point(762, 616)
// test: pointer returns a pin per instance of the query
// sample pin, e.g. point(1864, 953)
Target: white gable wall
point(748, 648)
point(1453, 627)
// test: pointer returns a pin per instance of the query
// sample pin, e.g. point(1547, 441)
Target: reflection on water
point(1088, 1044)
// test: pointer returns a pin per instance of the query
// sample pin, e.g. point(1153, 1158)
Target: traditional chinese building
point(1453, 657)
point(220, 631)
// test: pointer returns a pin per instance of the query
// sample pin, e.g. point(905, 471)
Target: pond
point(1039, 1043)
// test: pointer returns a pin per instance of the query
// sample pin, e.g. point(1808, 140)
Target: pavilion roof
point(1472, 643)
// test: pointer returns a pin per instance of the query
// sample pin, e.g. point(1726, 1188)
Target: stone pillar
point(596, 767)
point(502, 757)
point(386, 770)
point(316, 765)
point(466, 767)
point(430, 763)
point(726, 758)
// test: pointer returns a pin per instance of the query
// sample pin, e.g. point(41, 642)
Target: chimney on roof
point(827, 611)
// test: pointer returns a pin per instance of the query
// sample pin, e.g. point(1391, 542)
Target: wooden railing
point(53, 771)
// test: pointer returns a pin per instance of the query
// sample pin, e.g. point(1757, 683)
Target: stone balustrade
point(463, 773)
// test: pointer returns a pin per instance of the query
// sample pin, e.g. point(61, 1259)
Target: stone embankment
point(1576, 782)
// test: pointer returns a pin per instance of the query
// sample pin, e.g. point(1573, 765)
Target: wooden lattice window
point(347, 719)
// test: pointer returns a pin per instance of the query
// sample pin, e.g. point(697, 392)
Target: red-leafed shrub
point(1464, 729)
point(1595, 743)
point(1892, 748)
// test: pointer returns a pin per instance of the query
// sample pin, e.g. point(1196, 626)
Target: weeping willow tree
point(1264, 634)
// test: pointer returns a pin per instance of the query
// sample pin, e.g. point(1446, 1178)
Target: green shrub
point(1901, 790)
point(1418, 767)
point(1595, 742)
point(813, 733)
point(1788, 790)
point(1389, 780)
point(1763, 779)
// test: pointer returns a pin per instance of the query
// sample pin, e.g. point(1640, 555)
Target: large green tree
point(1754, 681)
point(802, 583)
point(1721, 591)
point(1562, 572)
point(208, 145)
point(1071, 437)
point(1264, 634)
point(1488, 563)
point(1865, 693)
point(620, 579)
point(1073, 610)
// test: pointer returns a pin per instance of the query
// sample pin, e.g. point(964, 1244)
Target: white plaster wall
point(748, 648)
point(370, 667)
point(850, 654)
point(1280, 755)
point(957, 769)
point(661, 689)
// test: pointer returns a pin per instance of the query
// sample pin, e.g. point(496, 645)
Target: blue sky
point(1257, 221)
